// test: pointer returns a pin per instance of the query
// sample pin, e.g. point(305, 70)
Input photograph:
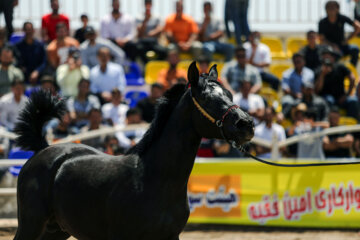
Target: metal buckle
point(219, 123)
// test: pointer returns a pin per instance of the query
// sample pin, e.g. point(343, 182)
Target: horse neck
point(172, 157)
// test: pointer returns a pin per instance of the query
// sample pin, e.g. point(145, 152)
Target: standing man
point(237, 11)
point(51, 20)
point(8, 72)
point(211, 30)
point(32, 55)
point(7, 7)
point(149, 29)
point(121, 29)
point(182, 31)
point(332, 32)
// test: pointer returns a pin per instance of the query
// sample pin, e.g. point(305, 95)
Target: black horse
point(73, 189)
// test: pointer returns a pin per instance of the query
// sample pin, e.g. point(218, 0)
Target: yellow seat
point(294, 44)
point(218, 57)
point(185, 56)
point(232, 41)
point(355, 41)
point(152, 70)
point(276, 47)
point(278, 68)
point(286, 123)
point(269, 94)
point(347, 121)
point(184, 64)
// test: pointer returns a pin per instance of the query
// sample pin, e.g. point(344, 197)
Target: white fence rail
point(264, 15)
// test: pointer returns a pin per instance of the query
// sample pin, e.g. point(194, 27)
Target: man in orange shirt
point(57, 50)
point(182, 31)
point(170, 76)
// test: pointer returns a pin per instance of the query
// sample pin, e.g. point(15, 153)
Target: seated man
point(258, 54)
point(80, 106)
point(250, 102)
point(8, 72)
point(235, 72)
point(211, 30)
point(91, 46)
point(312, 51)
point(94, 123)
point(312, 101)
point(147, 105)
point(292, 81)
point(106, 76)
point(68, 75)
point(337, 145)
point(114, 112)
point(121, 29)
point(169, 77)
point(149, 29)
point(128, 139)
point(329, 83)
point(182, 31)
point(11, 104)
point(57, 50)
point(266, 130)
point(33, 55)
point(332, 31)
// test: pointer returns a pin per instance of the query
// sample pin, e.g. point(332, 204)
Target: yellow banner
point(251, 193)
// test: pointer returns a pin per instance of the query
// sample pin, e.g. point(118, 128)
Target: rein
point(219, 123)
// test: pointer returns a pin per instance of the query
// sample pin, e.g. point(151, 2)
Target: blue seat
point(133, 75)
point(133, 97)
point(16, 37)
point(18, 154)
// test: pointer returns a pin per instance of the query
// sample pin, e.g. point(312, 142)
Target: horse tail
point(40, 108)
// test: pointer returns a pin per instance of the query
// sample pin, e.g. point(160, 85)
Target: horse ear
point(213, 71)
point(193, 74)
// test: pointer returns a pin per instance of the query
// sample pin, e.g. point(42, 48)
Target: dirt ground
point(201, 232)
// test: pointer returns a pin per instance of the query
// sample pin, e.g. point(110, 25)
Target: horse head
point(216, 116)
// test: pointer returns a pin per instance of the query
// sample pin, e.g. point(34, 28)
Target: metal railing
point(264, 15)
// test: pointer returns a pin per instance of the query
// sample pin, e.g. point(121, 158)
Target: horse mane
point(165, 106)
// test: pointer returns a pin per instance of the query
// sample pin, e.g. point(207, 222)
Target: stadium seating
point(18, 154)
point(152, 70)
point(278, 68)
point(347, 121)
point(132, 97)
point(294, 44)
point(133, 75)
point(355, 41)
point(276, 47)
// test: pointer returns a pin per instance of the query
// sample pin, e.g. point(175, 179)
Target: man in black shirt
point(331, 30)
point(329, 83)
point(312, 51)
point(147, 105)
point(80, 33)
point(337, 145)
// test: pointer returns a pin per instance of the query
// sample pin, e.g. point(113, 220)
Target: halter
point(219, 123)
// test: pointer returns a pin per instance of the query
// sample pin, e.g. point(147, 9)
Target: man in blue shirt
point(293, 79)
point(33, 56)
point(106, 76)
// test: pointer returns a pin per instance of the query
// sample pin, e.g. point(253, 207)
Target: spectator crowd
point(91, 69)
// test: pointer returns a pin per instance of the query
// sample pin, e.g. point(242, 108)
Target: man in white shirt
point(115, 111)
point(121, 29)
point(266, 130)
point(11, 104)
point(258, 55)
point(106, 76)
point(250, 102)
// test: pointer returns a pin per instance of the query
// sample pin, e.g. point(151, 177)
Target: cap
point(301, 107)
point(308, 84)
point(47, 78)
point(89, 30)
point(329, 50)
